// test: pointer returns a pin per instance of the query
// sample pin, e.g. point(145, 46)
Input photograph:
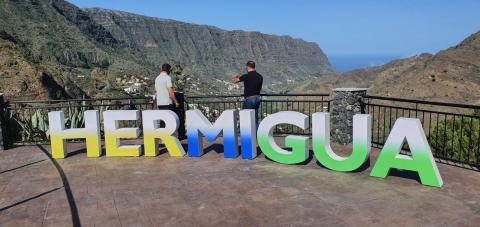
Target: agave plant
point(40, 123)
point(17, 128)
point(29, 129)
point(75, 117)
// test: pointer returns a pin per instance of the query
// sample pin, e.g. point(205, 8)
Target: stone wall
point(346, 103)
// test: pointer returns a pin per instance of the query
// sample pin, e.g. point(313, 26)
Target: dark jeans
point(167, 107)
point(252, 103)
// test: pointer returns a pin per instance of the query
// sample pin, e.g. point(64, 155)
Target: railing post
point(346, 103)
point(2, 123)
point(182, 133)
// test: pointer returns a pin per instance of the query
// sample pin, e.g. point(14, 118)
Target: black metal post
point(180, 111)
point(2, 123)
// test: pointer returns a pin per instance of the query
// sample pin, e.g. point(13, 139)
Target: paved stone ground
point(213, 191)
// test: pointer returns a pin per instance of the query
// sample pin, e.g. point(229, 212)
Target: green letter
point(361, 143)
point(422, 161)
point(298, 144)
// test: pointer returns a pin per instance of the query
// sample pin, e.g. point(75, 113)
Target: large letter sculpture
point(298, 144)
point(421, 161)
point(361, 142)
point(152, 133)
point(226, 123)
point(113, 133)
point(58, 133)
point(248, 134)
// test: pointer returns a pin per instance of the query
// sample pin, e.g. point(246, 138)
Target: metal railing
point(212, 107)
point(452, 130)
point(27, 121)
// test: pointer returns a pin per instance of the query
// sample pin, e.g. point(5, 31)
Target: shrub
point(457, 139)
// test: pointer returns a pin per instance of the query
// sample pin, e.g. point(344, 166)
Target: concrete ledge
point(350, 89)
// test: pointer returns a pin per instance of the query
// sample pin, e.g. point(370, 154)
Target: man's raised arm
point(236, 78)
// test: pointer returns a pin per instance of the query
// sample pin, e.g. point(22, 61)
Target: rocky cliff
point(211, 52)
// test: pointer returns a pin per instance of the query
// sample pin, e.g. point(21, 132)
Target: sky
point(339, 27)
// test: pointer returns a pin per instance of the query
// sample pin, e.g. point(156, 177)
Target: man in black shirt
point(252, 85)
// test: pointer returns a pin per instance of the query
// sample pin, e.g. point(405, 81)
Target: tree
point(179, 79)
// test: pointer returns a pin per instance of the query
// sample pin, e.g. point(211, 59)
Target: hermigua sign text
point(198, 127)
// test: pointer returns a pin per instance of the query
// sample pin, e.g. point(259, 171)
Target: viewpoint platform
point(214, 191)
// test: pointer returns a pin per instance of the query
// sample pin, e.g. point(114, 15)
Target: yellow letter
point(58, 133)
point(113, 133)
point(151, 133)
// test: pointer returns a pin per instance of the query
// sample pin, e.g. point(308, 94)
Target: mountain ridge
point(87, 9)
point(450, 75)
point(70, 55)
point(222, 52)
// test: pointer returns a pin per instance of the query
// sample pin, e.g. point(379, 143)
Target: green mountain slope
point(59, 40)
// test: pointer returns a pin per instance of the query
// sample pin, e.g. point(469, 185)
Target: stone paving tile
point(37, 212)
point(213, 191)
